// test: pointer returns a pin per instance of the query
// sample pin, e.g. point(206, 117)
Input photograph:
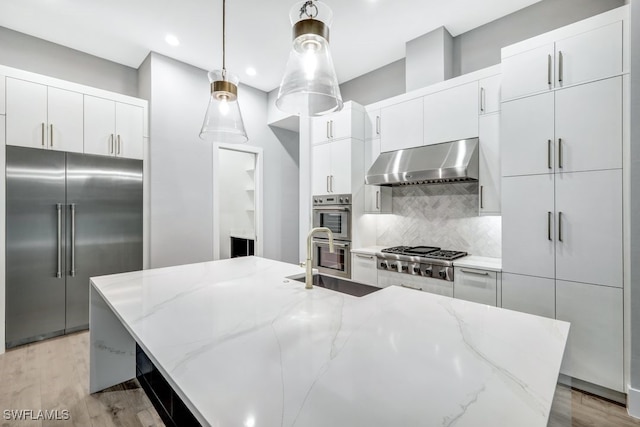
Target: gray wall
point(480, 48)
point(29, 53)
point(181, 167)
point(635, 196)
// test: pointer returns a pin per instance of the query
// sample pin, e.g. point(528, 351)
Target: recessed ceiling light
point(251, 71)
point(172, 40)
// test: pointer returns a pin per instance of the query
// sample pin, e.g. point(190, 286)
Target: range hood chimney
point(429, 59)
point(455, 161)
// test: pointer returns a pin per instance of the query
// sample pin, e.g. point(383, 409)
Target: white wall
point(182, 167)
point(29, 53)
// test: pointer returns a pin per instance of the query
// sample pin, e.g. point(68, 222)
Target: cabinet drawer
point(363, 269)
point(475, 285)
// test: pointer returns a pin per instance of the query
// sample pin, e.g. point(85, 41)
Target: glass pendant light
point(310, 86)
point(223, 120)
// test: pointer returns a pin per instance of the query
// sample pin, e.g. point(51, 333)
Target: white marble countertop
point(369, 250)
point(248, 347)
point(481, 262)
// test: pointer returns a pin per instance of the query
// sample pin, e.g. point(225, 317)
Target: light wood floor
point(54, 374)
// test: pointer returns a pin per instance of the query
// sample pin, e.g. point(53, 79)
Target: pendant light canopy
point(223, 120)
point(310, 86)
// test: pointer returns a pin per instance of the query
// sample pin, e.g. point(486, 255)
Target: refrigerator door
point(104, 226)
point(35, 295)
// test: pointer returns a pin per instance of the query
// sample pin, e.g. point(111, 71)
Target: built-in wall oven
point(333, 212)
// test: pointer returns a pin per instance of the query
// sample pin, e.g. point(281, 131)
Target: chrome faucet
point(308, 282)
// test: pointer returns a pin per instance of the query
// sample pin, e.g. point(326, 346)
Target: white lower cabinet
point(528, 294)
point(472, 284)
point(419, 283)
point(594, 349)
point(364, 269)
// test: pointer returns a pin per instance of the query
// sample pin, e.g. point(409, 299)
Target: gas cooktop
point(430, 252)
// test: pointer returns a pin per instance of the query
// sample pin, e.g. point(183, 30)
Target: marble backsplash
point(444, 215)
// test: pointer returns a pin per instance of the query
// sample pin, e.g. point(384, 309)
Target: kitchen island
point(242, 345)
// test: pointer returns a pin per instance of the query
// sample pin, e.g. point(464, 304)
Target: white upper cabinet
point(27, 114)
point(2, 94)
point(377, 199)
point(490, 89)
point(589, 56)
point(451, 114)
point(65, 113)
point(372, 124)
point(588, 126)
point(528, 72)
point(321, 169)
point(129, 131)
point(340, 181)
point(527, 135)
point(346, 123)
point(589, 227)
point(594, 349)
point(528, 229)
point(113, 128)
point(335, 167)
point(99, 126)
point(489, 159)
point(401, 125)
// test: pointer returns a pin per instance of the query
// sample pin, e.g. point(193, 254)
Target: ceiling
point(365, 35)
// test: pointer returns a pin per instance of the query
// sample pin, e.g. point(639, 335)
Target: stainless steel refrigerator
point(69, 217)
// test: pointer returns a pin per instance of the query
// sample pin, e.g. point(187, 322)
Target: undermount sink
point(340, 285)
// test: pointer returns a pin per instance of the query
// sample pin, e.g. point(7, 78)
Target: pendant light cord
point(224, 30)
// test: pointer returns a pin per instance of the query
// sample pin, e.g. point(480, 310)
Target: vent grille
point(438, 181)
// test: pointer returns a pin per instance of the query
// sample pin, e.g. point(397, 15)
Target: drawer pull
point(410, 287)
point(364, 256)
point(479, 273)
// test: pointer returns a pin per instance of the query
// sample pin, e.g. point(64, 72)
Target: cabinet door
point(340, 124)
point(528, 294)
point(528, 240)
point(26, 114)
point(340, 181)
point(65, 111)
point(490, 175)
point(589, 126)
point(589, 227)
point(99, 126)
point(594, 350)
point(319, 129)
point(321, 169)
point(490, 94)
point(528, 72)
point(451, 114)
point(372, 125)
point(401, 126)
point(364, 269)
point(589, 56)
point(377, 199)
point(2, 94)
point(526, 136)
point(475, 285)
point(129, 131)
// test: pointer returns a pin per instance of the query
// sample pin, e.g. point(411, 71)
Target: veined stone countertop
point(481, 262)
point(246, 346)
point(369, 250)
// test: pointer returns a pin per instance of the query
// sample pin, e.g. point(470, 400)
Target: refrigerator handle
point(59, 209)
point(73, 240)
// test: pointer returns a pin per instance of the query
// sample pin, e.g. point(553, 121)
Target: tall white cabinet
point(562, 189)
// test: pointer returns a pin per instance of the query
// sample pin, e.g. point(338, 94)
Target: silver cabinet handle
point(560, 226)
point(51, 135)
point(560, 160)
point(377, 125)
point(482, 197)
point(328, 130)
point(331, 180)
point(378, 199)
point(119, 146)
point(111, 144)
point(331, 127)
point(549, 149)
point(59, 209)
point(43, 134)
point(328, 191)
point(560, 66)
point(479, 273)
point(73, 240)
point(549, 82)
point(364, 256)
point(410, 287)
point(482, 100)
point(549, 215)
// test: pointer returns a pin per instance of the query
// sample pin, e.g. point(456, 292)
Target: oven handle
point(331, 208)
point(336, 244)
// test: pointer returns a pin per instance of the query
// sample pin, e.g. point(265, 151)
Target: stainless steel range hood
point(455, 161)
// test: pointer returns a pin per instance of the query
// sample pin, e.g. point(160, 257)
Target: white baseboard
point(633, 402)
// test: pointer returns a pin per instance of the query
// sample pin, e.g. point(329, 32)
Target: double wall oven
point(333, 212)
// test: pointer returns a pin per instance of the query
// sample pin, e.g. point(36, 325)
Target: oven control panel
point(334, 199)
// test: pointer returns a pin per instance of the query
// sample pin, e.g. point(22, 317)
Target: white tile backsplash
point(444, 215)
